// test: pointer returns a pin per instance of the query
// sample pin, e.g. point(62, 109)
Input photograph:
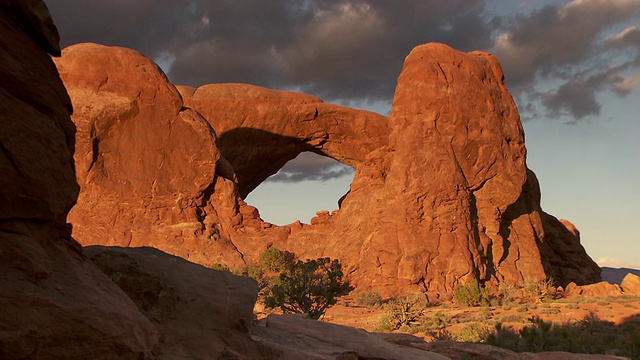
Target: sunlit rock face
point(451, 197)
point(260, 130)
point(441, 194)
point(148, 167)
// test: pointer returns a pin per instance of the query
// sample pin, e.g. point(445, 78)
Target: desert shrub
point(590, 335)
point(384, 324)
point(474, 332)
point(550, 311)
point(220, 267)
point(625, 299)
point(539, 290)
point(428, 324)
point(368, 299)
point(512, 318)
point(507, 293)
point(471, 294)
point(309, 287)
point(403, 311)
point(441, 335)
point(437, 320)
point(276, 260)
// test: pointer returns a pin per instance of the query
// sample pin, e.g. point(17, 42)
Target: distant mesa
point(441, 193)
point(615, 275)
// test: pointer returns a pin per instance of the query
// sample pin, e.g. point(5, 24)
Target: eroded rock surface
point(441, 194)
point(298, 337)
point(199, 313)
point(149, 168)
point(55, 303)
point(451, 197)
point(260, 129)
point(631, 284)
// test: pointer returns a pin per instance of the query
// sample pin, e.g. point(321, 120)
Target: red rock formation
point(451, 198)
point(260, 129)
point(601, 288)
point(55, 303)
point(149, 168)
point(441, 193)
point(631, 284)
point(199, 313)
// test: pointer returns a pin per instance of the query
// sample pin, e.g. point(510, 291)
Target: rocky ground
point(618, 309)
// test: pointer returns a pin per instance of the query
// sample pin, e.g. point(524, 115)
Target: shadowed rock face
point(55, 303)
point(441, 192)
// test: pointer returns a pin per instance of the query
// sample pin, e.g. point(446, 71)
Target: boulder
point(298, 337)
point(631, 284)
point(199, 313)
point(601, 288)
point(55, 302)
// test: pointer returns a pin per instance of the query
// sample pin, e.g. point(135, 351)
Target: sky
point(573, 68)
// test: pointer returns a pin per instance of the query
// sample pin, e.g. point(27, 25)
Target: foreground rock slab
point(199, 313)
point(456, 350)
point(297, 336)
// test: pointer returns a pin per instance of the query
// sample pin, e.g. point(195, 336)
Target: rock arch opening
point(303, 186)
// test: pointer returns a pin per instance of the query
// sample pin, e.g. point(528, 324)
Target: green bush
point(220, 267)
point(471, 294)
point(474, 332)
point(507, 292)
point(384, 324)
point(512, 318)
point(276, 260)
point(309, 287)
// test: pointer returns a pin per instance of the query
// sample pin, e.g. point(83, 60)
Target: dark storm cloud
point(566, 45)
point(572, 98)
point(351, 51)
point(338, 50)
point(311, 167)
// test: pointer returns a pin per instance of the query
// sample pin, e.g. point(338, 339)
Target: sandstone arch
point(441, 192)
point(261, 129)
